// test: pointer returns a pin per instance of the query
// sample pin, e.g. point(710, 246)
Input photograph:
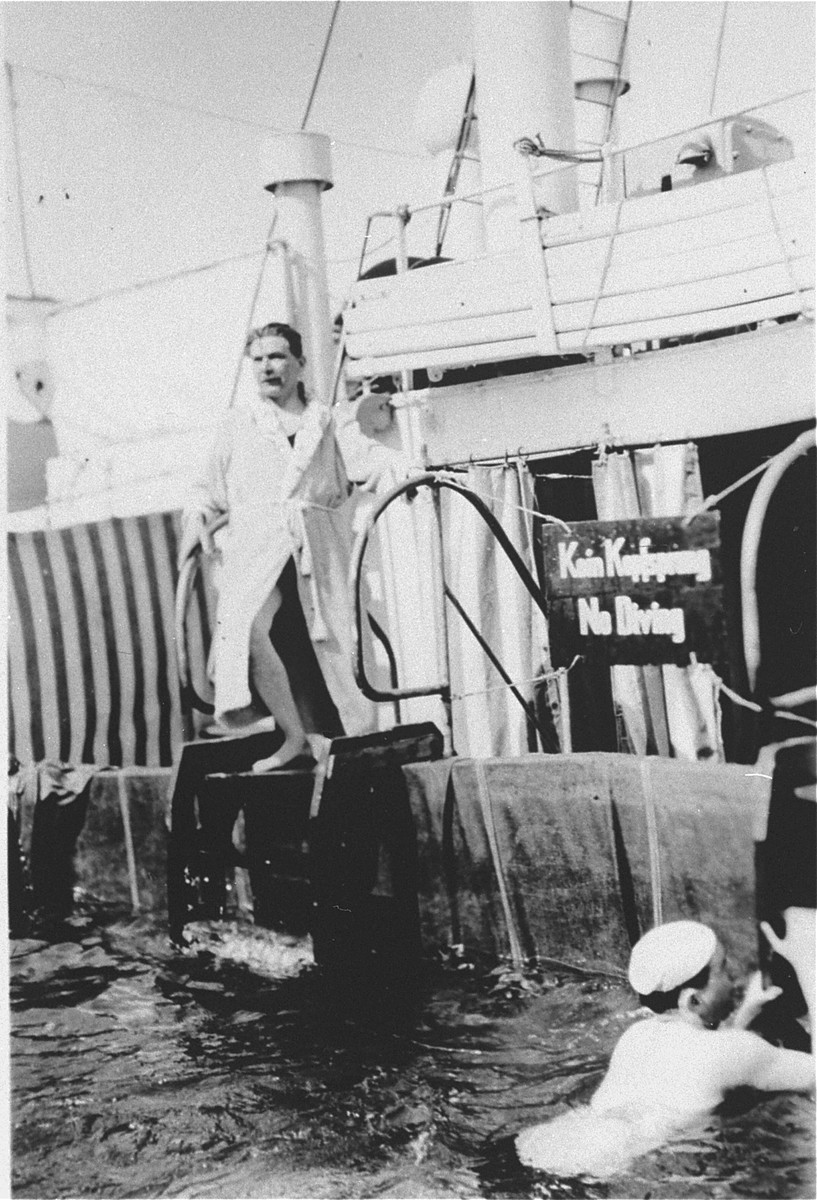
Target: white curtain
point(488, 719)
point(401, 593)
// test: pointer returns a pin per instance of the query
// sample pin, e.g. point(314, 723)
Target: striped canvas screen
point(92, 661)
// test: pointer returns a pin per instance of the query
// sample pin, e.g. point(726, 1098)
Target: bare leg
point(272, 683)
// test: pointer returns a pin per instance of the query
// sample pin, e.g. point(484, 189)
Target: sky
point(139, 126)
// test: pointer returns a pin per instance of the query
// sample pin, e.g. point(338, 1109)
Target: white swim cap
point(670, 955)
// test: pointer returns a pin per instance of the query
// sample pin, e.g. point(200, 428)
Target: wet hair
point(277, 329)
point(661, 1002)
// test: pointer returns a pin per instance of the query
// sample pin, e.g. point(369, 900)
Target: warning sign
point(634, 591)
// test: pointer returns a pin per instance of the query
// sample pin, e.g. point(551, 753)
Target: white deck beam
point(748, 381)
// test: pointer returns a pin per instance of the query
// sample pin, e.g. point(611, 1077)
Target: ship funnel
point(297, 168)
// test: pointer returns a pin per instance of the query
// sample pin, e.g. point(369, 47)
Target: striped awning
point(92, 663)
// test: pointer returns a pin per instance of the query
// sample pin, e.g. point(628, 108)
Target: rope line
point(15, 137)
point(611, 112)
point(533, 147)
point(546, 518)
point(177, 106)
point(733, 487)
point(718, 49)
point(248, 327)
point(779, 714)
point(317, 78)
point(603, 278)
point(337, 262)
point(186, 272)
point(543, 677)
point(795, 287)
point(154, 282)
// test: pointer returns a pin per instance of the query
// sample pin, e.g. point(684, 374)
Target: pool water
point(232, 1070)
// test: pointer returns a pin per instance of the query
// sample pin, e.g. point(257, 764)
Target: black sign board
point(634, 591)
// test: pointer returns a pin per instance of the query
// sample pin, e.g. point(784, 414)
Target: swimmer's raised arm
point(750, 1007)
point(798, 948)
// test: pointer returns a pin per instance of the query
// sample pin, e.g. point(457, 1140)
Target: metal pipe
point(184, 589)
point(355, 575)
point(750, 546)
point(401, 264)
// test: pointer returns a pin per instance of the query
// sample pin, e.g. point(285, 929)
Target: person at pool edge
point(677, 1065)
point(276, 468)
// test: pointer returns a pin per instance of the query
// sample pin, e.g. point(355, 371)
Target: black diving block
point(363, 856)
point(311, 835)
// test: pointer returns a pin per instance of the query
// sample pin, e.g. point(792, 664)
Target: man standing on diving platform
point(284, 623)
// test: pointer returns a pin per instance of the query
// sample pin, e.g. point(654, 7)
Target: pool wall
point(562, 856)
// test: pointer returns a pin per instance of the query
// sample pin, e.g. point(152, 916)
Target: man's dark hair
point(661, 1002)
point(277, 329)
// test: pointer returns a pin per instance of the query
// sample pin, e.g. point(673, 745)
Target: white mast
point(297, 167)
point(524, 87)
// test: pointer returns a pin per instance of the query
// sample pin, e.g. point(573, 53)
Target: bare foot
point(319, 745)
point(243, 720)
point(291, 749)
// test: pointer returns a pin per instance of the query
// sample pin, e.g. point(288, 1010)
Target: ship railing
point(626, 172)
point(437, 483)
point(662, 267)
point(653, 165)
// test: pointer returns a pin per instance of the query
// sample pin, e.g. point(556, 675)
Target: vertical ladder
point(468, 118)
point(599, 43)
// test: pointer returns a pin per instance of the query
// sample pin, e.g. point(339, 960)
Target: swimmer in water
point(673, 1068)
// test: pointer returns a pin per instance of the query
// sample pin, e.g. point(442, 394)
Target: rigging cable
point(176, 106)
point(611, 113)
point(718, 58)
point(256, 293)
point(316, 80)
point(155, 282)
point(18, 167)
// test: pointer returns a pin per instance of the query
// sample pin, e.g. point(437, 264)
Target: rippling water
point(231, 1071)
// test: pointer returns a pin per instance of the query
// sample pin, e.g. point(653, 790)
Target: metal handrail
point(184, 590)
point(192, 563)
point(684, 131)
point(436, 482)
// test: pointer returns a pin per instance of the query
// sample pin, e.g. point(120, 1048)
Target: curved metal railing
point(436, 482)
point(442, 688)
point(184, 590)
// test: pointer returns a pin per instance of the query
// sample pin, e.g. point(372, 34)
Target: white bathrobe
point(283, 501)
